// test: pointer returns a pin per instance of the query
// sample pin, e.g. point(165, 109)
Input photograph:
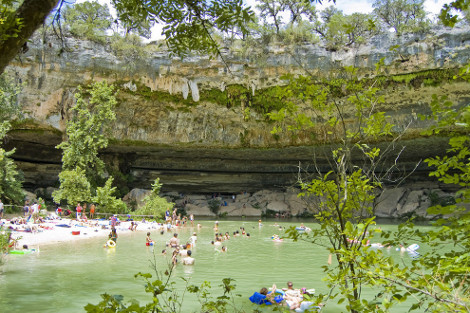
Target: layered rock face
point(186, 121)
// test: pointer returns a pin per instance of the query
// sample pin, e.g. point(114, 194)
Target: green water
point(67, 276)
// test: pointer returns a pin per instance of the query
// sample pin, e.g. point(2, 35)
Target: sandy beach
point(66, 229)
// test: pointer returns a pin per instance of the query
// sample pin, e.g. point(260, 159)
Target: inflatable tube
point(21, 251)
point(75, 232)
point(110, 244)
point(258, 298)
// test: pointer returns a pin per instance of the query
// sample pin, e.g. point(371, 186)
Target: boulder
point(388, 201)
point(296, 205)
point(277, 206)
point(136, 195)
point(199, 210)
point(412, 203)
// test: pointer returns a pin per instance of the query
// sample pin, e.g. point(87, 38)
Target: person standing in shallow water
point(113, 235)
point(189, 260)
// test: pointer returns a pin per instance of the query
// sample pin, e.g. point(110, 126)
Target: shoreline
point(67, 230)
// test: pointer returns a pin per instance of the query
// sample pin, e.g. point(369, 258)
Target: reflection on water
point(65, 277)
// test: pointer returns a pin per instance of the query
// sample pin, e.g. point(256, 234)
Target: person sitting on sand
point(148, 241)
point(188, 260)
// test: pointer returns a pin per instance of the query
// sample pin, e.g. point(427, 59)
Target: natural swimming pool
point(67, 276)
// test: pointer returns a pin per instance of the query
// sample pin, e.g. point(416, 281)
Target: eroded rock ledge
point(185, 120)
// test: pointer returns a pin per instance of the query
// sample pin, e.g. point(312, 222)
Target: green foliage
point(10, 178)
point(129, 47)
point(402, 15)
point(214, 205)
point(300, 33)
point(449, 14)
point(136, 25)
point(5, 236)
point(87, 132)
point(154, 204)
point(188, 26)
point(106, 201)
point(10, 107)
point(88, 129)
point(166, 297)
point(447, 264)
point(221, 303)
point(271, 10)
point(88, 20)
point(342, 199)
point(340, 30)
point(74, 187)
point(9, 20)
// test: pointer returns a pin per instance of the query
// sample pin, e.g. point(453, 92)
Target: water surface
point(67, 276)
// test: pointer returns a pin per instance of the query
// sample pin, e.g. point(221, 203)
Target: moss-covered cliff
point(200, 124)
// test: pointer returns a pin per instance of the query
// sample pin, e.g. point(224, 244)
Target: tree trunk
point(32, 14)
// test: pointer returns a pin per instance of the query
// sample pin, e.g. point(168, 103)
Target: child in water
point(113, 235)
point(148, 241)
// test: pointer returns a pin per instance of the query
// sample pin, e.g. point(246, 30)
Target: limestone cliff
point(185, 120)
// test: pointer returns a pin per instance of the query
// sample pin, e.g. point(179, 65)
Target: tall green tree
point(446, 266)
point(271, 12)
point(88, 20)
point(340, 30)
point(299, 10)
point(10, 109)
point(87, 132)
point(345, 111)
point(402, 15)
